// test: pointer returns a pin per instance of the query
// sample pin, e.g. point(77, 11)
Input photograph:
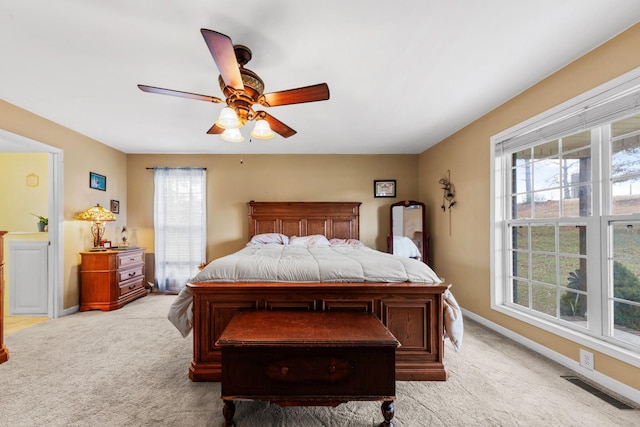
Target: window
point(179, 225)
point(567, 219)
point(550, 193)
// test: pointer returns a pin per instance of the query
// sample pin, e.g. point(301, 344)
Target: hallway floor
point(13, 324)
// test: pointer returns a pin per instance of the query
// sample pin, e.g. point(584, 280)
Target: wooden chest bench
point(307, 358)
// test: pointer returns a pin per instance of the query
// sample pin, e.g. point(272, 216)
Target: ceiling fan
point(243, 90)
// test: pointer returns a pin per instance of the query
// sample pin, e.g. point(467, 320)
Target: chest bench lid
point(303, 328)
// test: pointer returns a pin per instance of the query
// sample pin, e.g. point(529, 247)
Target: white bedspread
point(310, 264)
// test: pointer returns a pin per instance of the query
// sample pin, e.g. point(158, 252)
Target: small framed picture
point(384, 188)
point(115, 206)
point(97, 182)
point(106, 244)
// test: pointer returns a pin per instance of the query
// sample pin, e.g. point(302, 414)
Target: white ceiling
point(402, 75)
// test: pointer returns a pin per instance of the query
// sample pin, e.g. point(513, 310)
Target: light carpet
point(129, 367)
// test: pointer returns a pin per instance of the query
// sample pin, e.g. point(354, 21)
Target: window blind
point(602, 105)
point(179, 225)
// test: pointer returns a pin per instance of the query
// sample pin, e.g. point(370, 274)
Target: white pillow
point(268, 238)
point(314, 239)
point(349, 242)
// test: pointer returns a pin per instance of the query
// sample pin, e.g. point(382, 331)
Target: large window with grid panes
point(567, 220)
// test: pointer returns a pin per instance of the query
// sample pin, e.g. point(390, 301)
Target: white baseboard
point(70, 310)
point(595, 376)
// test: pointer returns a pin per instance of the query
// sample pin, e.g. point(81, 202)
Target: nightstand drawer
point(124, 275)
point(130, 286)
point(130, 258)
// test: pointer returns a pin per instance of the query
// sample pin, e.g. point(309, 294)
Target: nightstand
point(112, 278)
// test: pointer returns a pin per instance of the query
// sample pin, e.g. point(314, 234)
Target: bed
point(414, 312)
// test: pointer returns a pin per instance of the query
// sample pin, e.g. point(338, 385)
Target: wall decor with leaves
point(448, 192)
point(448, 196)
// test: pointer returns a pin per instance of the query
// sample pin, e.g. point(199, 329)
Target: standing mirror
point(407, 235)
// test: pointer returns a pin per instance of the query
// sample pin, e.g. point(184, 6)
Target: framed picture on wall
point(115, 206)
point(384, 188)
point(97, 182)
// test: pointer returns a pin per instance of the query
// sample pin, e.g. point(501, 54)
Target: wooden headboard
point(335, 220)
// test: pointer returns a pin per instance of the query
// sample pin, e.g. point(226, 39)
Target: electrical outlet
point(586, 360)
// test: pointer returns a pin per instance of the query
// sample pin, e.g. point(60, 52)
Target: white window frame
point(570, 111)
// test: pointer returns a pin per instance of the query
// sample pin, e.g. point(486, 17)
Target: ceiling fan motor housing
point(241, 101)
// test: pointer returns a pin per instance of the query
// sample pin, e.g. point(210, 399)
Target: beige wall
point(81, 155)
point(231, 184)
point(463, 257)
point(21, 199)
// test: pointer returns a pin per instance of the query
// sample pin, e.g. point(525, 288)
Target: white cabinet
point(28, 278)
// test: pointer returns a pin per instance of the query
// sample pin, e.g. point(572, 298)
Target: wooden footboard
point(413, 312)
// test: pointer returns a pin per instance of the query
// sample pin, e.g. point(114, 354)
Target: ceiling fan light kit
point(243, 89)
point(262, 130)
point(232, 135)
point(228, 119)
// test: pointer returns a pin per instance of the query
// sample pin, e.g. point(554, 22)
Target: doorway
point(13, 143)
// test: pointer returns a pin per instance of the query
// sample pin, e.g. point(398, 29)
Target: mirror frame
point(425, 244)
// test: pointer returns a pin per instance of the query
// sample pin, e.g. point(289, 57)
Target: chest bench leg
point(228, 411)
point(388, 411)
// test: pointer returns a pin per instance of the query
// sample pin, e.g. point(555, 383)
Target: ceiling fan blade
point(319, 92)
point(161, 91)
point(276, 125)
point(215, 130)
point(221, 49)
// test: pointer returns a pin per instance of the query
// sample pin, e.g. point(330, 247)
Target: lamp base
point(97, 250)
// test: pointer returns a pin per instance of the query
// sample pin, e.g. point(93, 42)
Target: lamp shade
point(232, 135)
point(228, 119)
point(262, 130)
point(97, 214)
